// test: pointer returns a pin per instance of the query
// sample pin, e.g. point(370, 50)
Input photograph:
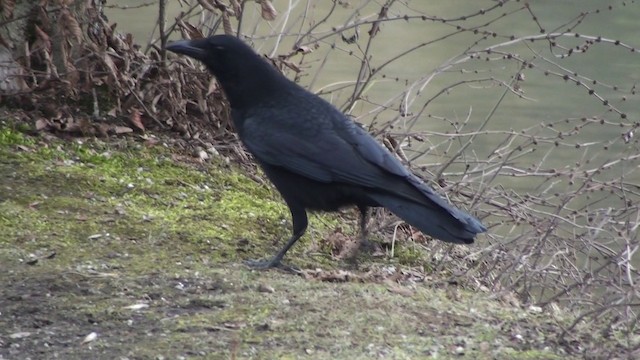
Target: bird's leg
point(300, 222)
point(364, 217)
point(365, 244)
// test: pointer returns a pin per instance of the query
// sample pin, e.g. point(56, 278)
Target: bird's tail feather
point(450, 224)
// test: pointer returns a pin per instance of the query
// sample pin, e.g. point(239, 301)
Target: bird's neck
point(253, 85)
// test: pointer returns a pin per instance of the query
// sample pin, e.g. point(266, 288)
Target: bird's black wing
point(334, 149)
point(340, 151)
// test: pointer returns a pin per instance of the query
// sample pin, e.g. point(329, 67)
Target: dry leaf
point(330, 276)
point(70, 26)
point(189, 31)
point(7, 8)
point(226, 24)
point(135, 119)
point(41, 124)
point(269, 12)
point(206, 5)
point(43, 39)
point(73, 75)
point(113, 69)
point(224, 8)
point(122, 130)
point(237, 8)
point(213, 86)
point(4, 43)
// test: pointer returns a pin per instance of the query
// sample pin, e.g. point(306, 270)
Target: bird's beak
point(191, 48)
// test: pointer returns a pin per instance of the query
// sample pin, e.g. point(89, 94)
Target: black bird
point(316, 157)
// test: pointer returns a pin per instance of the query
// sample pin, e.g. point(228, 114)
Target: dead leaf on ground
point(122, 130)
point(135, 118)
point(41, 124)
point(330, 276)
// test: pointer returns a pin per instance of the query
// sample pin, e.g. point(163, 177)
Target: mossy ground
point(146, 251)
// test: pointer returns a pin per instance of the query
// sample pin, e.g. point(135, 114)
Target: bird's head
point(240, 71)
point(219, 53)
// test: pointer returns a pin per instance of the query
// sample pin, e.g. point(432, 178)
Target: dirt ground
point(119, 250)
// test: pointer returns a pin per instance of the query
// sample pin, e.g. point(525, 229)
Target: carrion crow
point(316, 157)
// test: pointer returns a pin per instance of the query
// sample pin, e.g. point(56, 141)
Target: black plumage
point(316, 157)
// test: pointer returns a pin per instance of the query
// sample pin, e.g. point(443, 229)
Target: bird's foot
point(270, 264)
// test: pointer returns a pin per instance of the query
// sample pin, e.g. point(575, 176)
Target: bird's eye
point(219, 47)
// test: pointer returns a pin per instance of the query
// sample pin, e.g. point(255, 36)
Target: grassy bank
point(120, 249)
